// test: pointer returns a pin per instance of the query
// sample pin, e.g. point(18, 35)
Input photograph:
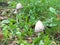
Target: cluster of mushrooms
point(39, 27)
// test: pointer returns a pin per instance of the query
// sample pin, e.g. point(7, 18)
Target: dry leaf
point(29, 40)
point(1, 35)
point(13, 43)
point(58, 16)
point(53, 43)
point(3, 17)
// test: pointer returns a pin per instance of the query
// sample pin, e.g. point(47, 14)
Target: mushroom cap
point(19, 6)
point(39, 26)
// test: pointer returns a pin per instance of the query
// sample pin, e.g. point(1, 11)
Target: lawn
point(17, 26)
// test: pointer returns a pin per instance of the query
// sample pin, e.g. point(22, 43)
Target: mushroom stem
point(39, 35)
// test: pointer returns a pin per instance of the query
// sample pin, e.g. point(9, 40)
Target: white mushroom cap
point(39, 26)
point(19, 6)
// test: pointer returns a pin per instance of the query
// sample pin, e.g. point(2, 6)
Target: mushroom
point(39, 27)
point(19, 6)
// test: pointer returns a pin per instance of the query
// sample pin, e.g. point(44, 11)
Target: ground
point(18, 29)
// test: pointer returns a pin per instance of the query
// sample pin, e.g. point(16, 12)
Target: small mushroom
point(19, 6)
point(39, 26)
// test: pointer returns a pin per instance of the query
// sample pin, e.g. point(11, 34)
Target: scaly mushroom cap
point(39, 26)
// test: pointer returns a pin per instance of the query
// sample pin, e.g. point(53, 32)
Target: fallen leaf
point(13, 43)
point(53, 43)
point(3, 17)
point(29, 39)
point(58, 16)
point(1, 35)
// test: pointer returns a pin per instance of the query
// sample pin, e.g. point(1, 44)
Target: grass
point(21, 31)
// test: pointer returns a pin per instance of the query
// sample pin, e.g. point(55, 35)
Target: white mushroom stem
point(39, 35)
